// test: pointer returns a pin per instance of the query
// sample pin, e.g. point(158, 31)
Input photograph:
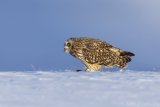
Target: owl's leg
point(92, 67)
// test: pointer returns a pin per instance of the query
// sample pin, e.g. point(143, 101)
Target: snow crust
point(80, 89)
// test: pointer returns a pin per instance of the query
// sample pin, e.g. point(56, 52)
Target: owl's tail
point(125, 57)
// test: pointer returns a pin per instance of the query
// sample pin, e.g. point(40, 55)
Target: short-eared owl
point(95, 53)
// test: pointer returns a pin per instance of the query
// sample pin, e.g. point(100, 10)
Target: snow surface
point(80, 89)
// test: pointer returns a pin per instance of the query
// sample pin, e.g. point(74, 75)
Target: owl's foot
point(91, 70)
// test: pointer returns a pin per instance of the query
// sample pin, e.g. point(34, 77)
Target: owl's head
point(68, 45)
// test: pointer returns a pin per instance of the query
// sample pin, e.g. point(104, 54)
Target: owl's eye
point(68, 44)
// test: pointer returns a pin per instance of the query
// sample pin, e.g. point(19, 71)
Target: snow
point(80, 89)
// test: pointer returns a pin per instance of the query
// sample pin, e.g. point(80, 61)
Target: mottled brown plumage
point(94, 53)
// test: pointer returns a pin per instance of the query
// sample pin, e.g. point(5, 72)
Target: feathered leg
point(92, 67)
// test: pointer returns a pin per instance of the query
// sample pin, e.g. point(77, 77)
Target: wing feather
point(98, 52)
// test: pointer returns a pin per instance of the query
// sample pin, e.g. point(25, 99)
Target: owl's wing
point(110, 48)
point(97, 44)
point(96, 52)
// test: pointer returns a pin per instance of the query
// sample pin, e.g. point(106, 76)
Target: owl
point(95, 53)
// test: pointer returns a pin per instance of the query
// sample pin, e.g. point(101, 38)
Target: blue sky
point(33, 31)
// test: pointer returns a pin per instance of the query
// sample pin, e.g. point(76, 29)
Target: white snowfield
point(80, 89)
